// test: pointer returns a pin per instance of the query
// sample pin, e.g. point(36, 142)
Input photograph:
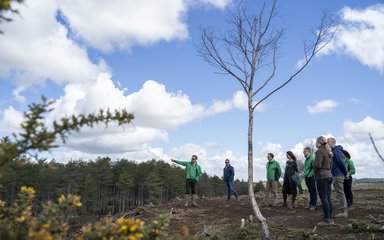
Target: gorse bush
point(18, 222)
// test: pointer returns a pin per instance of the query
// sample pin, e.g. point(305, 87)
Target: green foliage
point(259, 187)
point(35, 135)
point(248, 232)
point(18, 222)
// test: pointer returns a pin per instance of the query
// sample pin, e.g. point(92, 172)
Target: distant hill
point(369, 181)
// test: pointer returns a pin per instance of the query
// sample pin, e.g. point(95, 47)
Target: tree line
point(105, 186)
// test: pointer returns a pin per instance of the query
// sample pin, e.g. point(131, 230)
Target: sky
point(141, 56)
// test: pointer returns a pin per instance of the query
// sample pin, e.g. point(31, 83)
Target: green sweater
point(273, 170)
point(192, 171)
point(308, 166)
point(349, 165)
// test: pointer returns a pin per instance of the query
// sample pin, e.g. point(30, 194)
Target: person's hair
point(227, 160)
point(346, 154)
point(194, 156)
point(323, 142)
point(308, 149)
point(271, 154)
point(290, 153)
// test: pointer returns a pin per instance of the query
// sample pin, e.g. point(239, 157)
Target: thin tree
point(374, 145)
point(250, 47)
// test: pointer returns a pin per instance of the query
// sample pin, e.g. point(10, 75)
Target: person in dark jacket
point(289, 184)
point(323, 175)
point(348, 180)
point(339, 172)
point(192, 175)
point(228, 175)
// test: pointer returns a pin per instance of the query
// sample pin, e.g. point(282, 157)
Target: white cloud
point(360, 36)
point(216, 3)
point(50, 52)
point(322, 106)
point(35, 48)
point(358, 131)
point(239, 101)
point(11, 120)
point(121, 24)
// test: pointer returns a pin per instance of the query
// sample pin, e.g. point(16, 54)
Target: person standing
point(348, 180)
point(192, 175)
point(310, 178)
point(228, 175)
point(289, 184)
point(323, 175)
point(273, 175)
point(339, 172)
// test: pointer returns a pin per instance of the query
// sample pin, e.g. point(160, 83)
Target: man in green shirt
point(273, 175)
point(310, 178)
point(192, 176)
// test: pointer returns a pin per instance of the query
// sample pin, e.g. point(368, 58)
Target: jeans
point(348, 191)
point(190, 186)
point(311, 185)
point(231, 188)
point(338, 185)
point(324, 188)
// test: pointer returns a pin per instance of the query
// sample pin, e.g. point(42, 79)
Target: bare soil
point(219, 218)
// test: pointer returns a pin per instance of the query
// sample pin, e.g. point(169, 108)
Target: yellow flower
point(133, 228)
point(61, 198)
point(6, 4)
point(47, 225)
point(124, 228)
point(28, 190)
point(139, 235)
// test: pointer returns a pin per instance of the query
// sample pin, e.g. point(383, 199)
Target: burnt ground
point(217, 218)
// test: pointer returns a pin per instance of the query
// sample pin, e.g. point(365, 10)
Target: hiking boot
point(186, 200)
point(194, 197)
point(307, 207)
point(312, 208)
point(326, 222)
point(341, 215)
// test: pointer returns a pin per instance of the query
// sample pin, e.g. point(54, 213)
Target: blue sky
point(141, 55)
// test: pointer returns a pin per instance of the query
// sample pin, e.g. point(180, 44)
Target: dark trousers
point(324, 188)
point(230, 189)
point(348, 191)
point(311, 185)
point(190, 186)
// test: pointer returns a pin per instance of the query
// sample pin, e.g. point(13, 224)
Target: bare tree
point(250, 47)
point(374, 145)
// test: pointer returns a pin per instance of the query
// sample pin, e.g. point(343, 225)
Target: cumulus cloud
point(359, 130)
point(322, 106)
point(239, 101)
point(360, 36)
point(121, 24)
point(156, 111)
point(47, 54)
point(60, 33)
point(11, 120)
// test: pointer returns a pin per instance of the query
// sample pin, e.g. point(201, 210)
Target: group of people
point(331, 164)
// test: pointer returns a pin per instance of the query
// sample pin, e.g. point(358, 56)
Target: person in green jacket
point(348, 179)
point(192, 175)
point(273, 175)
point(310, 178)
